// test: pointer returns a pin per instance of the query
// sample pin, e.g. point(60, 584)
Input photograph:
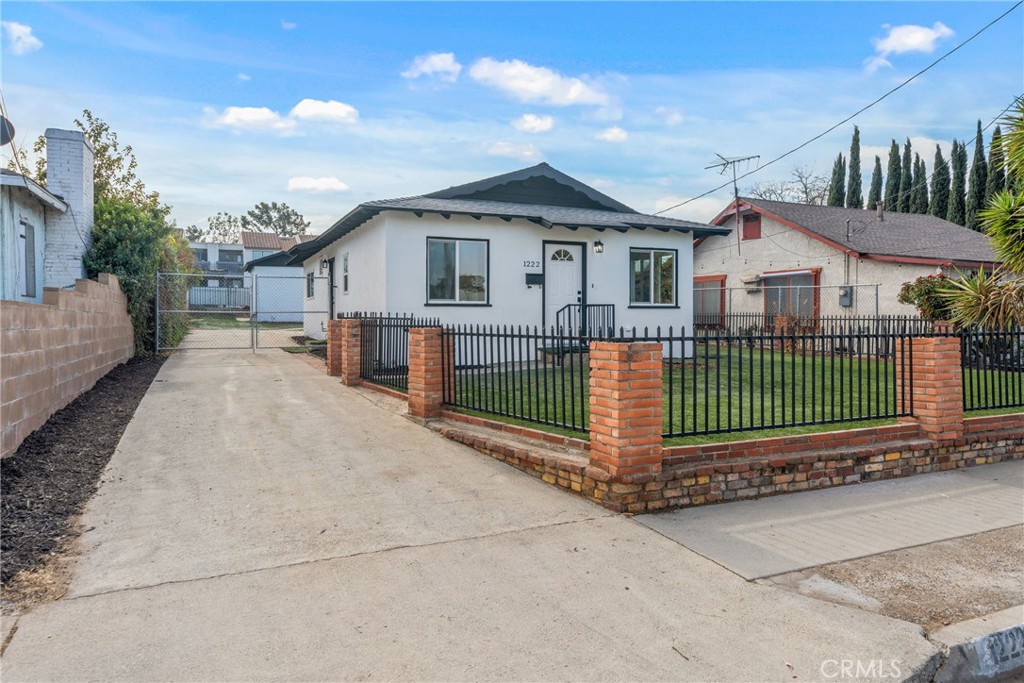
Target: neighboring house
point(220, 262)
point(44, 231)
point(799, 259)
point(256, 245)
point(531, 247)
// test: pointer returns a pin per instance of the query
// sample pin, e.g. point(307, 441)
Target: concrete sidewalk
point(260, 521)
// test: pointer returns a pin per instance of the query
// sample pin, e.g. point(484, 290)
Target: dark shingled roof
point(281, 258)
point(898, 235)
point(557, 200)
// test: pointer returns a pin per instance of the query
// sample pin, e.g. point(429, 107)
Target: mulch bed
point(54, 473)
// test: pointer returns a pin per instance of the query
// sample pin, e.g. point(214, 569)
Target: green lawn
point(233, 320)
point(742, 389)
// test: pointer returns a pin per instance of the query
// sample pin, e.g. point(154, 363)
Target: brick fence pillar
point(934, 386)
point(625, 407)
point(343, 352)
point(426, 374)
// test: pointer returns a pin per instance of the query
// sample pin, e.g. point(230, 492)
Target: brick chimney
point(69, 176)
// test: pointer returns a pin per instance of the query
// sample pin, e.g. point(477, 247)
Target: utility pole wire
point(851, 116)
point(730, 163)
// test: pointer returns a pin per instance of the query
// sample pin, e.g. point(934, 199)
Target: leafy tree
point(803, 187)
point(997, 300)
point(223, 227)
point(875, 193)
point(996, 166)
point(279, 219)
point(194, 233)
point(854, 191)
point(919, 194)
point(906, 179)
point(892, 179)
point(978, 183)
point(939, 204)
point(837, 185)
point(958, 183)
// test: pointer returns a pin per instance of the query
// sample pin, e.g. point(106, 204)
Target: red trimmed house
point(812, 261)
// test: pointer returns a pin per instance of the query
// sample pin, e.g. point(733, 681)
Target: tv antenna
point(727, 164)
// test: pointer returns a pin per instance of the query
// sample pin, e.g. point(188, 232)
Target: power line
point(851, 116)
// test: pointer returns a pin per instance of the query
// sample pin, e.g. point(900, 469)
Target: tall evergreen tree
point(956, 212)
point(875, 193)
point(919, 195)
point(978, 183)
point(996, 166)
point(837, 185)
point(939, 204)
point(906, 179)
point(854, 190)
point(892, 179)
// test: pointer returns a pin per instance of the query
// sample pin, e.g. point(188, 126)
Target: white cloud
point(288, 25)
point(440, 64)
point(613, 134)
point(509, 149)
point(330, 111)
point(20, 40)
point(670, 116)
point(531, 123)
point(903, 39)
point(307, 184)
point(536, 83)
point(250, 118)
point(244, 77)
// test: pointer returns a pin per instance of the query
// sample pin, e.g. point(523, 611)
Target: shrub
point(925, 293)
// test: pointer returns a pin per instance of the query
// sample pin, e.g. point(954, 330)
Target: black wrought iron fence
point(529, 374)
point(384, 346)
point(992, 363)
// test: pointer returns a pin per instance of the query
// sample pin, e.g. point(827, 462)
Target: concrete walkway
point(261, 522)
point(760, 538)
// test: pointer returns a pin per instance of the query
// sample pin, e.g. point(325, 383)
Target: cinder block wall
point(52, 352)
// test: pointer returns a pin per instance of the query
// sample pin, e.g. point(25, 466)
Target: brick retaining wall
point(54, 351)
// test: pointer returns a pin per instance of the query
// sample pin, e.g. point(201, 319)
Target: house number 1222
point(531, 264)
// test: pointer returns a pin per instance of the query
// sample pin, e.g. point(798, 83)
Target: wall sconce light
point(598, 247)
point(323, 265)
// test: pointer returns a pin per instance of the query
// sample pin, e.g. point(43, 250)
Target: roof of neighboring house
point(12, 179)
point(899, 237)
point(269, 240)
point(281, 258)
point(540, 194)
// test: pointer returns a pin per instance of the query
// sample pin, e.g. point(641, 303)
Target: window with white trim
point(457, 271)
point(652, 275)
point(309, 285)
point(344, 273)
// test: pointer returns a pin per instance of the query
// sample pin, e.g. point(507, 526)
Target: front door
point(563, 284)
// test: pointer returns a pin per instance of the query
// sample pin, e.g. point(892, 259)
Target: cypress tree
point(996, 166)
point(837, 186)
point(906, 180)
point(892, 179)
point(875, 193)
point(939, 205)
point(958, 181)
point(978, 183)
point(854, 191)
point(919, 195)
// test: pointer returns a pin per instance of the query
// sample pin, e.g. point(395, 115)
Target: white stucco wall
point(782, 248)
point(17, 205)
point(387, 269)
point(280, 293)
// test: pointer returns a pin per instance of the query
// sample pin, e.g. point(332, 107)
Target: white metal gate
point(240, 311)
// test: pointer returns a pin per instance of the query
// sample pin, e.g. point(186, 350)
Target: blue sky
point(323, 105)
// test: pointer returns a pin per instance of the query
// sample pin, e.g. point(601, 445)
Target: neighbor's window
point(653, 277)
point(200, 254)
point(708, 300)
point(261, 253)
point(309, 285)
point(344, 274)
point(793, 294)
point(30, 259)
point(230, 256)
point(752, 226)
point(456, 271)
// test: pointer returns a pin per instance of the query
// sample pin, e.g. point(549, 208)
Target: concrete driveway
point(260, 521)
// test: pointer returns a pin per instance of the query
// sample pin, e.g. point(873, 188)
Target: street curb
point(983, 648)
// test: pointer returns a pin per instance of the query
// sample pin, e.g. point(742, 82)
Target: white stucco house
point(44, 231)
point(821, 261)
point(278, 291)
point(534, 247)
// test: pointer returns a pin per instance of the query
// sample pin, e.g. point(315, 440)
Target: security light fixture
point(598, 247)
point(323, 265)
